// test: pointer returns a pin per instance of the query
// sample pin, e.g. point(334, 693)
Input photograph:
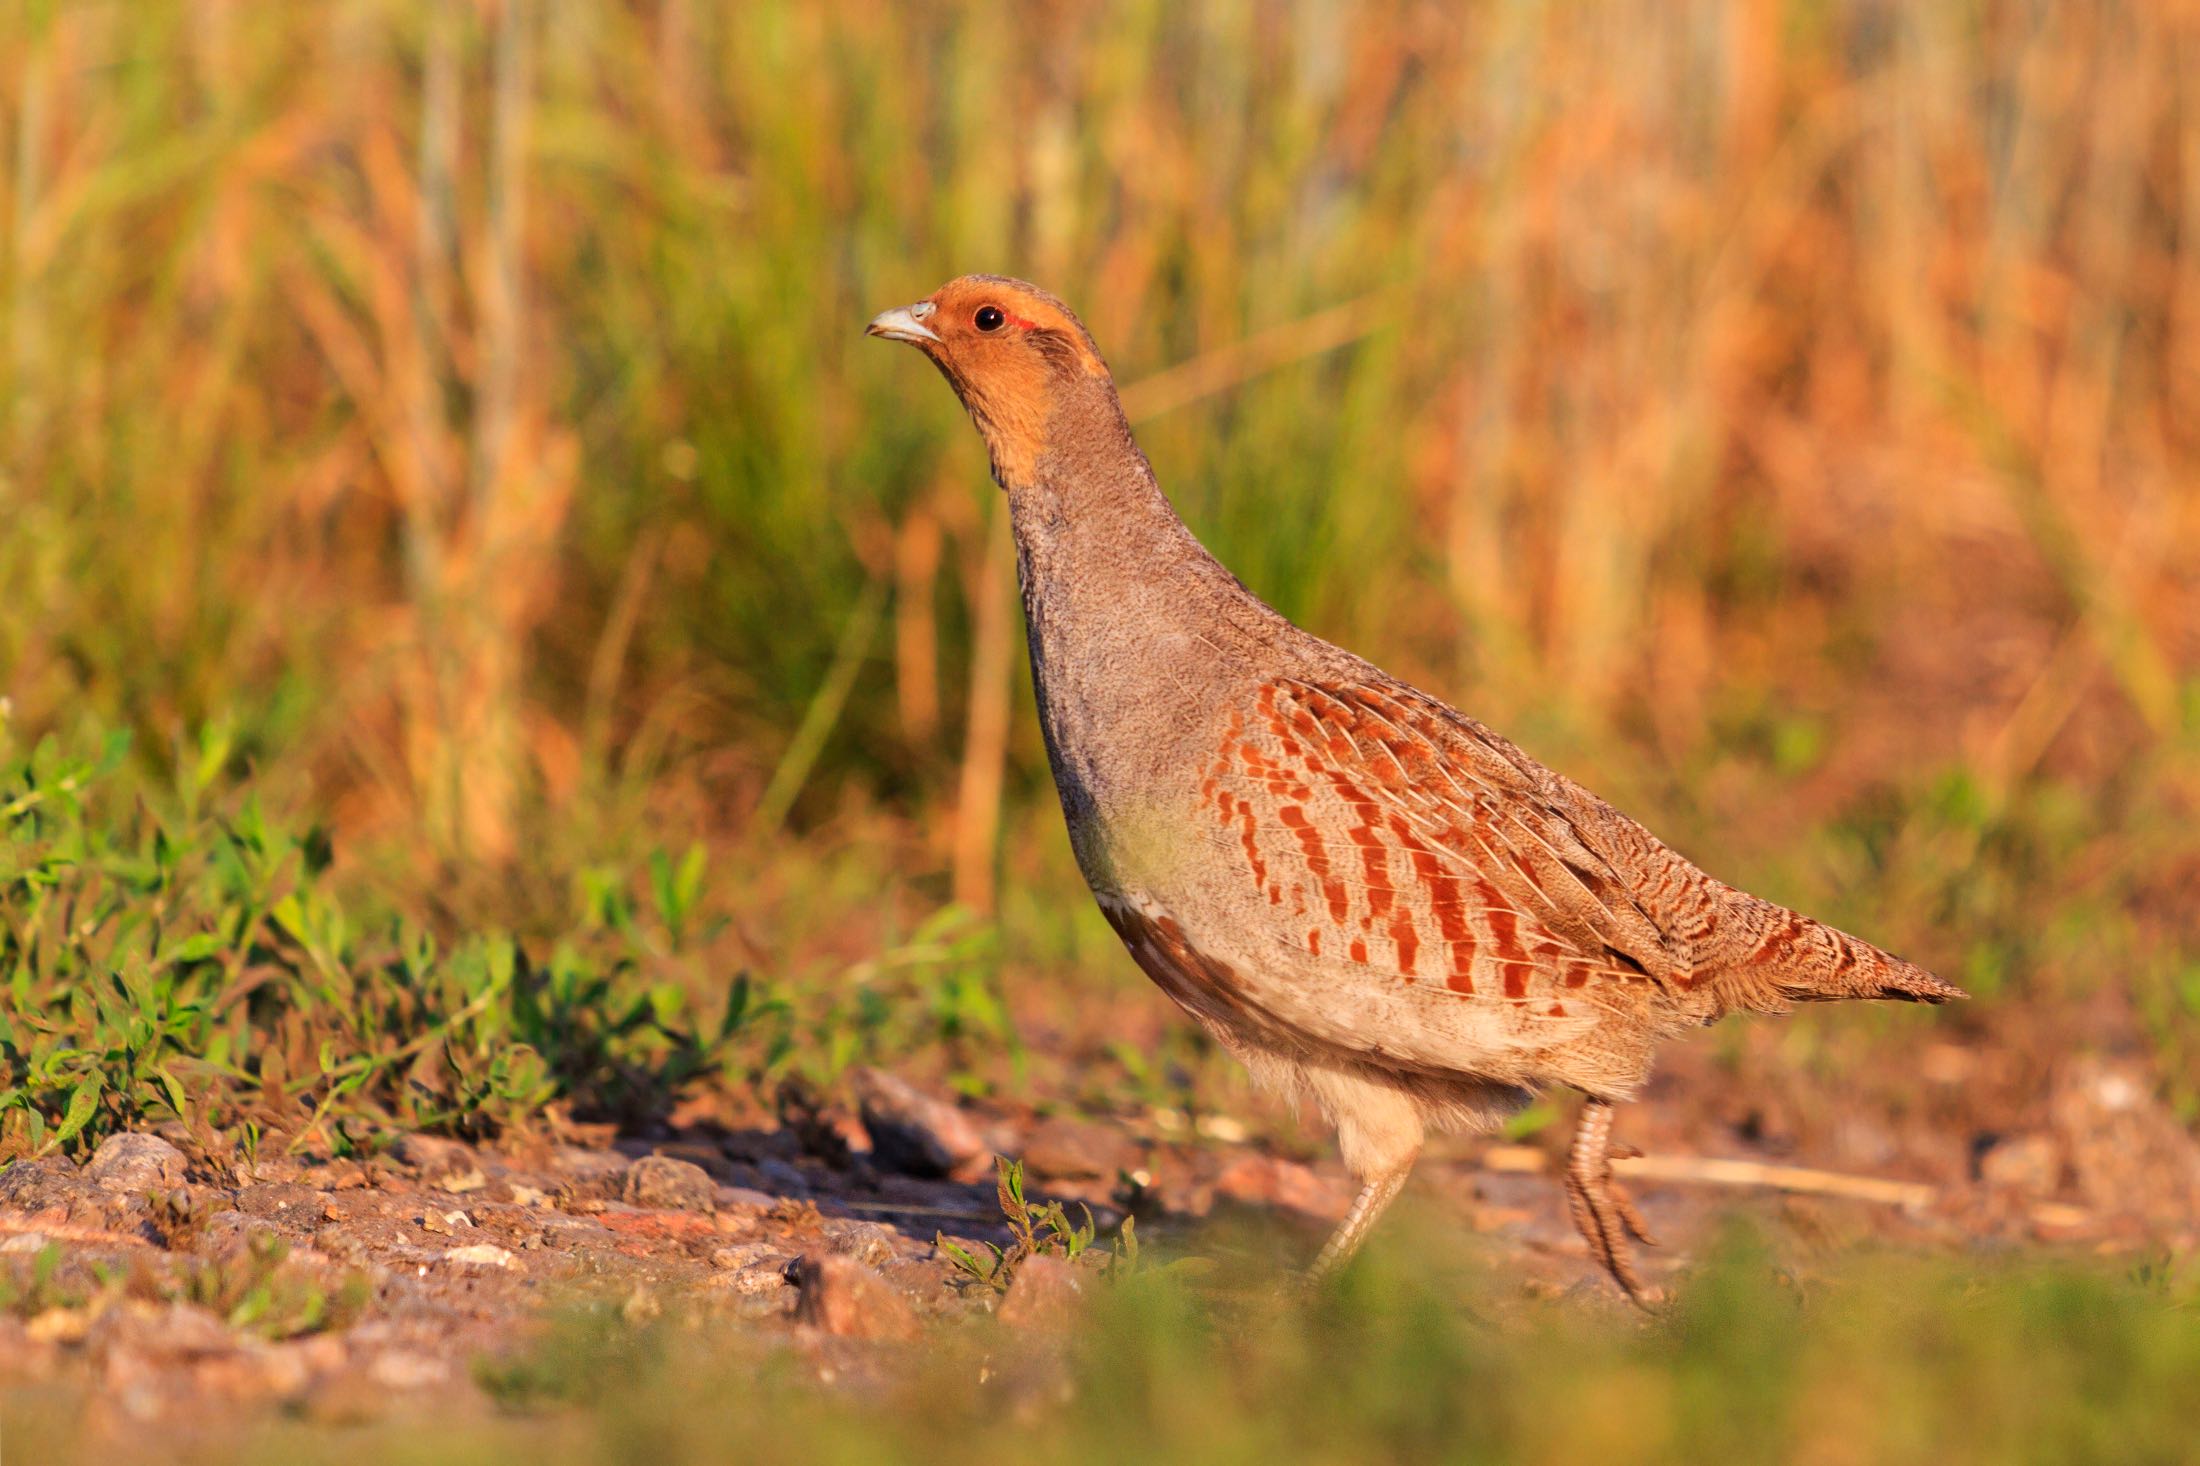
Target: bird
point(1367, 897)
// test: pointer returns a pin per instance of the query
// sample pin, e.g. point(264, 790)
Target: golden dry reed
point(468, 400)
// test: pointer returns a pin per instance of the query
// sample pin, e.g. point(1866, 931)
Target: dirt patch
point(168, 1286)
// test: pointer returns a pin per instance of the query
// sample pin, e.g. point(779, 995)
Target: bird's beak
point(904, 324)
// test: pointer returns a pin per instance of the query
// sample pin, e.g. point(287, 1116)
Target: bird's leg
point(1604, 1214)
point(1376, 1195)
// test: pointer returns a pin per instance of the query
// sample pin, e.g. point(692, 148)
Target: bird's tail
point(1780, 957)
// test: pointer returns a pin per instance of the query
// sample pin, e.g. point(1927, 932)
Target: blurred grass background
point(1782, 414)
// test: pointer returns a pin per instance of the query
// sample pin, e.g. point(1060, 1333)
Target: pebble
point(913, 1132)
point(480, 1254)
point(869, 1243)
point(790, 1181)
point(1067, 1148)
point(2028, 1164)
point(1261, 1180)
point(842, 1297)
point(589, 1165)
point(748, 1254)
point(741, 1198)
point(756, 1279)
point(1045, 1296)
point(2128, 1153)
point(665, 1184)
point(136, 1162)
point(433, 1155)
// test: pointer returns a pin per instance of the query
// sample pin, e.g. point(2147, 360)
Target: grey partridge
point(1365, 895)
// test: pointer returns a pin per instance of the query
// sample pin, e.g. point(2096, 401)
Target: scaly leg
point(1374, 1199)
point(1604, 1214)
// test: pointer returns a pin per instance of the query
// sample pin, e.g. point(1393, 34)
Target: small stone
point(913, 1132)
point(2054, 1221)
point(1067, 1149)
point(49, 1182)
point(844, 1298)
point(758, 1279)
point(665, 1184)
point(790, 1181)
point(589, 1165)
point(2128, 1152)
point(433, 1156)
point(1226, 1128)
point(460, 1182)
point(1516, 1159)
point(741, 1198)
point(1260, 1180)
point(867, 1242)
point(1046, 1295)
point(748, 1254)
point(24, 1242)
point(136, 1162)
point(2030, 1165)
point(479, 1254)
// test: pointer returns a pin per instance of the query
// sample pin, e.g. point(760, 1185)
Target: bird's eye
point(989, 318)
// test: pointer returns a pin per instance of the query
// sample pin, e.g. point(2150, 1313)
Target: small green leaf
point(173, 1087)
point(195, 948)
point(83, 1101)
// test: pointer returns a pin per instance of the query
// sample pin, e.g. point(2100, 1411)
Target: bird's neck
point(1133, 625)
point(1097, 542)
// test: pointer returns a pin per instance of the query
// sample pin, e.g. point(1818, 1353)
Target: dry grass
point(1790, 411)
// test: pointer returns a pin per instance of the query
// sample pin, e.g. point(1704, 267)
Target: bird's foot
point(1604, 1214)
point(1376, 1194)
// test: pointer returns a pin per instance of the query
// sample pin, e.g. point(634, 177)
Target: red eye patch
point(1020, 323)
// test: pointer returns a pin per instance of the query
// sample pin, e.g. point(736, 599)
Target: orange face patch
point(1026, 312)
point(1006, 347)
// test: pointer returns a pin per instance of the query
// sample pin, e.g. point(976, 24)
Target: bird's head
point(1016, 356)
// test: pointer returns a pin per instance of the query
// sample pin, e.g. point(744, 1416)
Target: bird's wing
point(1594, 877)
point(1418, 895)
point(1488, 797)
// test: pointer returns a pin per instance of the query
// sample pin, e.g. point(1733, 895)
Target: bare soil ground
point(159, 1285)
